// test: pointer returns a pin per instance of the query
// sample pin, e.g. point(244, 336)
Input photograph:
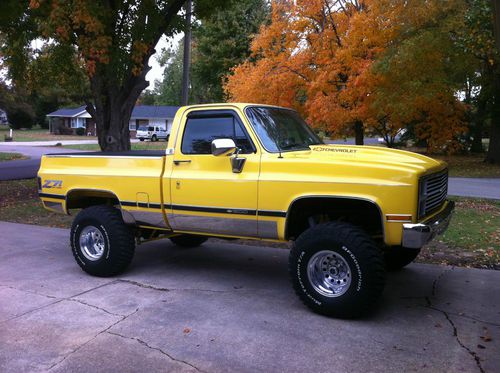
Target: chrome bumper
point(417, 235)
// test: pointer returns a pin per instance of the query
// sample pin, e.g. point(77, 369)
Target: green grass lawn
point(38, 134)
point(473, 237)
point(4, 157)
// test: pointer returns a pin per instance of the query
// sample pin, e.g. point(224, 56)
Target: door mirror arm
point(237, 162)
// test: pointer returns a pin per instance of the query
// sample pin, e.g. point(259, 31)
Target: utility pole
point(187, 54)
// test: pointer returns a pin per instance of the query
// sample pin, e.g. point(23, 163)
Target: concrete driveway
point(226, 307)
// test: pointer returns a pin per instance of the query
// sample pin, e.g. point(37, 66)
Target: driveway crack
point(428, 300)
point(146, 286)
point(156, 349)
point(90, 340)
point(94, 306)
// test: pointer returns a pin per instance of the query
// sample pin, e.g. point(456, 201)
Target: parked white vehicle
point(153, 133)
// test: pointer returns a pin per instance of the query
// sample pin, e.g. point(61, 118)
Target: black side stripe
point(216, 210)
point(141, 204)
point(48, 195)
point(280, 214)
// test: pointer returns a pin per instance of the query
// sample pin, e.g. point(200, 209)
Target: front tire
point(337, 270)
point(188, 240)
point(398, 257)
point(102, 244)
point(154, 138)
point(141, 139)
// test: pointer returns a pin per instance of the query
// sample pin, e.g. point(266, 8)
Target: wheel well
point(83, 198)
point(305, 212)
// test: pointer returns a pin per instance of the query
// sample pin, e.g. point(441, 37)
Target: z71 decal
point(52, 184)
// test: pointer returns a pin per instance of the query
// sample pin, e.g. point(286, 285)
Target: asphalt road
point(25, 169)
point(225, 308)
point(15, 170)
point(471, 187)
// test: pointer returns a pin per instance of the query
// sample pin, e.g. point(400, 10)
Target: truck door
point(207, 196)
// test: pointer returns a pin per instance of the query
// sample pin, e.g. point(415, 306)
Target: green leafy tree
point(168, 91)
point(220, 42)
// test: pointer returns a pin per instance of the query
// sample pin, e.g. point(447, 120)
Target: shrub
point(80, 131)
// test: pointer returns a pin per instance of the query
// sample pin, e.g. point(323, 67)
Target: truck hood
point(374, 156)
point(344, 164)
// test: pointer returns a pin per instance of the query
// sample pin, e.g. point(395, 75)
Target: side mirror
point(223, 147)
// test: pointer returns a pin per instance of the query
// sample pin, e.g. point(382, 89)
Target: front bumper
point(417, 235)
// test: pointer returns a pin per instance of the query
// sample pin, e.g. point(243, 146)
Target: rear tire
point(154, 138)
point(102, 244)
point(188, 240)
point(398, 257)
point(337, 270)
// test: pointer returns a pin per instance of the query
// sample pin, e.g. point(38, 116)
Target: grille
point(433, 191)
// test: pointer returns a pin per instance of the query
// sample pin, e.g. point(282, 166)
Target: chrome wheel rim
point(92, 243)
point(329, 273)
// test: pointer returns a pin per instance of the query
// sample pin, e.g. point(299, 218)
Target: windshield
point(143, 128)
point(281, 129)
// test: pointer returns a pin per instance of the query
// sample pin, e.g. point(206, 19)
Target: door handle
point(179, 161)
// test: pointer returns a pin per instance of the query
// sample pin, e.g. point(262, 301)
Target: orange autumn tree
point(318, 57)
point(310, 57)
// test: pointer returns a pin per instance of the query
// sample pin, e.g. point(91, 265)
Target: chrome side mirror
point(223, 147)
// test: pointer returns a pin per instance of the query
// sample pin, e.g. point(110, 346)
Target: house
point(66, 121)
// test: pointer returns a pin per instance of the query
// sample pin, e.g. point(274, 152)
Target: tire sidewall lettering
point(357, 267)
point(108, 246)
point(301, 283)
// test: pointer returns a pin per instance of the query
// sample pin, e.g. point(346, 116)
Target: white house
point(68, 120)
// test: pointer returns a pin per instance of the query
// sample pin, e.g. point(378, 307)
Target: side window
point(200, 132)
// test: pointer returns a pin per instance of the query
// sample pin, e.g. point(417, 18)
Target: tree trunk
point(359, 132)
point(494, 147)
point(493, 155)
point(477, 129)
point(113, 106)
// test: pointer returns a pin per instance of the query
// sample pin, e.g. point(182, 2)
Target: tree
point(312, 57)
point(494, 147)
point(220, 42)
point(113, 40)
point(168, 91)
point(19, 111)
point(352, 65)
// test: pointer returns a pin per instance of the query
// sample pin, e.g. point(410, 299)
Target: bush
point(80, 131)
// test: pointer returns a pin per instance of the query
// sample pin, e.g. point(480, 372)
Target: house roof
point(68, 112)
point(148, 111)
point(139, 112)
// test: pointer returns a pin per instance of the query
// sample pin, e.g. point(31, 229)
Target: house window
point(77, 122)
point(132, 126)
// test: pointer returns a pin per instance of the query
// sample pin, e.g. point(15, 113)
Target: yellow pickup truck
point(256, 172)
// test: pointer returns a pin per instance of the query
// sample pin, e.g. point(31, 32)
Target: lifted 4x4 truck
point(258, 172)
